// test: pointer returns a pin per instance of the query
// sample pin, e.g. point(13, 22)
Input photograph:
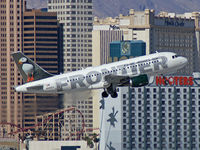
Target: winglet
point(29, 70)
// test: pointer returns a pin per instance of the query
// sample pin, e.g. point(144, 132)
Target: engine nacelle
point(139, 81)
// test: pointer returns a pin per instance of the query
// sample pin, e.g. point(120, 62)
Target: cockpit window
point(174, 56)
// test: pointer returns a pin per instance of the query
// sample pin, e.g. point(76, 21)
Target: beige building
point(101, 38)
point(11, 13)
point(76, 17)
point(101, 44)
point(163, 32)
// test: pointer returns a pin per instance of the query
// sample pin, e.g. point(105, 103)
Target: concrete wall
point(57, 145)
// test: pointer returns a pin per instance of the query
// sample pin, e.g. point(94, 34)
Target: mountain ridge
point(112, 8)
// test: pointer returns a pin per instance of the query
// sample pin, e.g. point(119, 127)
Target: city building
point(157, 116)
point(102, 36)
point(115, 51)
point(126, 49)
point(196, 17)
point(77, 18)
point(113, 113)
point(41, 44)
point(11, 14)
point(62, 145)
point(162, 32)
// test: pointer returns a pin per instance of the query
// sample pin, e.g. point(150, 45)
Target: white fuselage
point(94, 77)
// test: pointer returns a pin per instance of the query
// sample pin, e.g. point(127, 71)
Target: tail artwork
point(29, 70)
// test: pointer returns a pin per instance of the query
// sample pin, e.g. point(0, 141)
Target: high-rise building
point(77, 18)
point(101, 39)
point(157, 116)
point(113, 113)
point(11, 13)
point(163, 32)
point(41, 44)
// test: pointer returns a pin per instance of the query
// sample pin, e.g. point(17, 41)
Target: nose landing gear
point(110, 90)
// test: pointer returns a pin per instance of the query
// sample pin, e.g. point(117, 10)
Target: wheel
point(104, 94)
point(114, 95)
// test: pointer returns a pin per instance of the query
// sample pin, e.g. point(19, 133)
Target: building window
point(124, 95)
point(124, 102)
point(169, 90)
point(184, 90)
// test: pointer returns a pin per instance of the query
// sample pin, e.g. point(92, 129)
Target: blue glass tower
point(127, 48)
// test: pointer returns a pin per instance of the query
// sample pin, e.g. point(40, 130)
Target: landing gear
point(104, 94)
point(110, 90)
point(114, 95)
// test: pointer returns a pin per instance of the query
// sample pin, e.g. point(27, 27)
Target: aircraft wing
point(137, 81)
point(116, 79)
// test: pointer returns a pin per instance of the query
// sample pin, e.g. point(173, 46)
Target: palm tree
point(91, 140)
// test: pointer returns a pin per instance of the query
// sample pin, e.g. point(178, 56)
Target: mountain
point(36, 3)
point(112, 8)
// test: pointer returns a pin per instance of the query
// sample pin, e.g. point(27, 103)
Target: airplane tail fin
point(29, 70)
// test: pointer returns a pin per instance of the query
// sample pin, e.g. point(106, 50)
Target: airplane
point(134, 72)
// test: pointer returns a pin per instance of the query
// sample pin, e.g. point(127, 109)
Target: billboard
point(176, 81)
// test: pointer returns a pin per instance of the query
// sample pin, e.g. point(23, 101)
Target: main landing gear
point(104, 94)
point(110, 90)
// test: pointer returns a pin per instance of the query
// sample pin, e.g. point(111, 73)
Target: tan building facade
point(101, 42)
point(10, 41)
point(163, 32)
point(101, 39)
point(76, 17)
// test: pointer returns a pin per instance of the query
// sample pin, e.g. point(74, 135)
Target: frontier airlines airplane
point(133, 72)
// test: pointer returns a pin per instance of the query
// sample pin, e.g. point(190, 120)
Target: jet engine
point(139, 81)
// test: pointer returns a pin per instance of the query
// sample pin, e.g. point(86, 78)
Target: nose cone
point(184, 61)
